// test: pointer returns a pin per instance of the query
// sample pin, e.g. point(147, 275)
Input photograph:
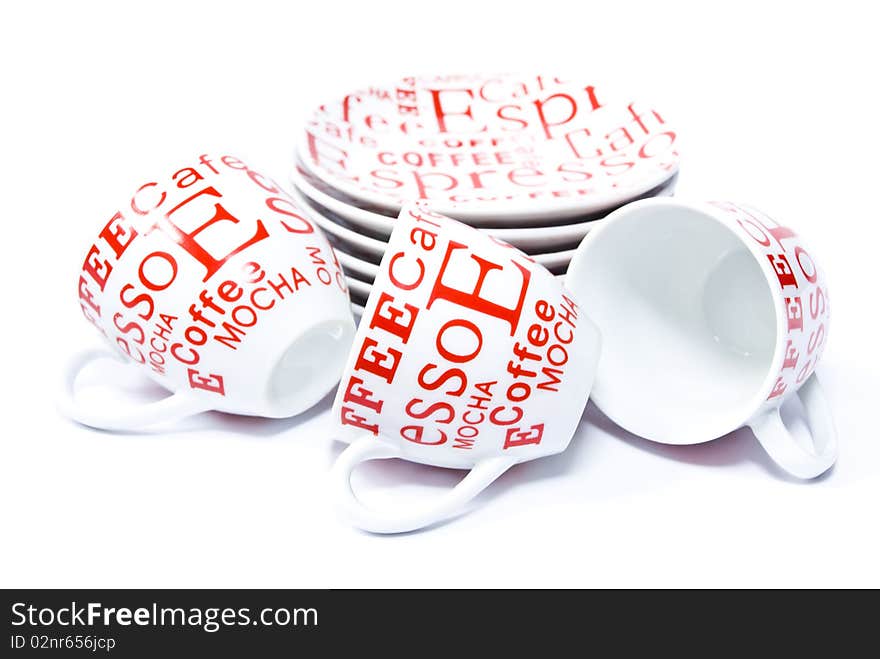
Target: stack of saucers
point(534, 160)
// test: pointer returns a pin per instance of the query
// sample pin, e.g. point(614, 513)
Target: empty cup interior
point(309, 367)
point(688, 323)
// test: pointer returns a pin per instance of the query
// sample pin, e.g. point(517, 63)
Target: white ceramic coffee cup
point(213, 282)
point(712, 315)
point(468, 355)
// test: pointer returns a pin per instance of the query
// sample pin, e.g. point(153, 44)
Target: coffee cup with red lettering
point(712, 315)
point(469, 355)
point(213, 282)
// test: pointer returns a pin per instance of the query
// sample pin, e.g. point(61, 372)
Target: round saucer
point(377, 225)
point(348, 240)
point(490, 147)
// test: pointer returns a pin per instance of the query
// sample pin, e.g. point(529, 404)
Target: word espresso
point(210, 252)
point(459, 351)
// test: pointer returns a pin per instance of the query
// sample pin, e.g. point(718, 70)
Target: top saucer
point(484, 147)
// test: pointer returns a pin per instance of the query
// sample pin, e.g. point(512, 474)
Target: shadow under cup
point(689, 322)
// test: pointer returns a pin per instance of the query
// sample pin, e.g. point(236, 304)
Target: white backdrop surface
point(777, 106)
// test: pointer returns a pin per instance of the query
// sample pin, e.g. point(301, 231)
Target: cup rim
point(743, 414)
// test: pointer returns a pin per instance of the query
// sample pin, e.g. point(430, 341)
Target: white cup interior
point(309, 367)
point(688, 323)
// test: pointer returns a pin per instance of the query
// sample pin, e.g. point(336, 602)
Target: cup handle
point(782, 447)
point(176, 405)
point(399, 521)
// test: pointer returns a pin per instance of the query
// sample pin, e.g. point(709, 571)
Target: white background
point(777, 106)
